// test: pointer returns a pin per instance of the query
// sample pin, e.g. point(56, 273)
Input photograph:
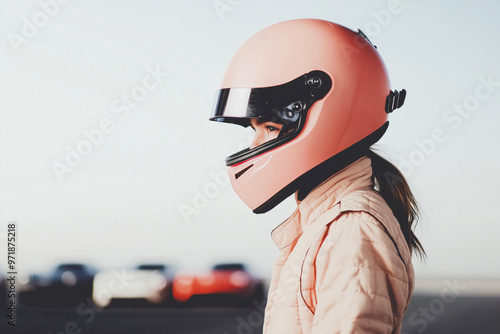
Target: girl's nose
point(257, 140)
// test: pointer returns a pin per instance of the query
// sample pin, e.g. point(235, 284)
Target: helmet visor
point(285, 104)
point(280, 104)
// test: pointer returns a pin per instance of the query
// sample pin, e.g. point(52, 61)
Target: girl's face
point(264, 131)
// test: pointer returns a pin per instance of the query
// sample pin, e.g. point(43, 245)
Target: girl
point(317, 95)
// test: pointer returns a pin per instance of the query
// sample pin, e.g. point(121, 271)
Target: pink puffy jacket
point(344, 265)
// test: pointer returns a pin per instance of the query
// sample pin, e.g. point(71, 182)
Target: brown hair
point(392, 186)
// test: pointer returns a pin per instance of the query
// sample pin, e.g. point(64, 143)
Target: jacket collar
point(356, 176)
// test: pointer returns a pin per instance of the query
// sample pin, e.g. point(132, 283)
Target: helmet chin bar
point(314, 177)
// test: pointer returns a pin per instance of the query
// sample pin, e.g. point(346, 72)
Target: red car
point(224, 283)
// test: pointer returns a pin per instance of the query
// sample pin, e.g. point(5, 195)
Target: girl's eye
point(271, 128)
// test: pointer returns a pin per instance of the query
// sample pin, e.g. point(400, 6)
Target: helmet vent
point(241, 172)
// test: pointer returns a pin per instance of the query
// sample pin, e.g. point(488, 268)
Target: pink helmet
point(329, 88)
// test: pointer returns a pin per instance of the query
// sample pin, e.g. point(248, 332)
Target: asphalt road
point(427, 314)
point(137, 321)
point(461, 315)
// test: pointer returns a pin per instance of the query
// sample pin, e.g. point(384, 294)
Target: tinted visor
point(281, 104)
point(285, 104)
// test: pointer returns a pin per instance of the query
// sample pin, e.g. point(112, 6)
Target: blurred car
point(225, 283)
point(73, 275)
point(3, 289)
point(31, 282)
point(66, 285)
point(148, 282)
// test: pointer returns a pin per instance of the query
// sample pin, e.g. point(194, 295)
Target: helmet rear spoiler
point(394, 100)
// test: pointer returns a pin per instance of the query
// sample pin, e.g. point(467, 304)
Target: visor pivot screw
point(289, 114)
point(297, 106)
point(314, 82)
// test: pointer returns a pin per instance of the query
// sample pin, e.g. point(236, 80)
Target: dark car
point(66, 285)
point(3, 290)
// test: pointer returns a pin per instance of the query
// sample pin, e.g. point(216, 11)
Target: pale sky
point(144, 74)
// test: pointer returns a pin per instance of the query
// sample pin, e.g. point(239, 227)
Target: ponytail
point(392, 186)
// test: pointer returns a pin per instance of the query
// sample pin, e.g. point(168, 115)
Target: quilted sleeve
point(362, 284)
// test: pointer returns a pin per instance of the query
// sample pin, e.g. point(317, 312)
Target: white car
point(152, 283)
